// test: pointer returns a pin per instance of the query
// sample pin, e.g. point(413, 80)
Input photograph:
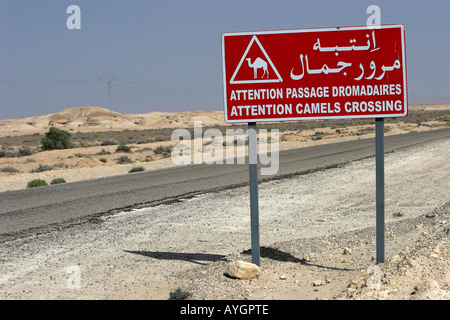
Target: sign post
point(254, 207)
point(315, 74)
point(379, 159)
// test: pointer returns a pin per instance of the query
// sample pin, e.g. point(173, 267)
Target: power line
point(150, 86)
point(43, 82)
point(122, 83)
point(109, 78)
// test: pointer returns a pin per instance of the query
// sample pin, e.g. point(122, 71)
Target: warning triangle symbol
point(255, 66)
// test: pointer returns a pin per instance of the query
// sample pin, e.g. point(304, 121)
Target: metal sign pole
point(379, 150)
point(254, 214)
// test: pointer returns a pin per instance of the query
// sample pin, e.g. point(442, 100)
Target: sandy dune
point(91, 119)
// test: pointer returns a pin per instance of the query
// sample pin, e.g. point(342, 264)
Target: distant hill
point(92, 119)
point(89, 119)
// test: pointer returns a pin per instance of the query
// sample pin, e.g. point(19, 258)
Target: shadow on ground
point(182, 256)
point(276, 254)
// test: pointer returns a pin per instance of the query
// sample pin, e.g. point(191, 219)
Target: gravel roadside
point(305, 224)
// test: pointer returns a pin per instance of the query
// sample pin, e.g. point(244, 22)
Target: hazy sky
point(167, 54)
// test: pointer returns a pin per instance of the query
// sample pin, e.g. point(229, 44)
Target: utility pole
point(109, 78)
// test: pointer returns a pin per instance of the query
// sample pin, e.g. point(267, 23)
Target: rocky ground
point(417, 267)
point(317, 241)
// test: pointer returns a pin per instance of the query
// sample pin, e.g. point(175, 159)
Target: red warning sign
point(305, 74)
point(255, 66)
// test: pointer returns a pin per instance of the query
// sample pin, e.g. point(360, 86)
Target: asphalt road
point(36, 210)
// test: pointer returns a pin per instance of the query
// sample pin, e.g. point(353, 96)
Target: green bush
point(179, 294)
point(56, 139)
point(37, 183)
point(58, 181)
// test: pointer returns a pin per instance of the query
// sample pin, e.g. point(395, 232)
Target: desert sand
point(93, 119)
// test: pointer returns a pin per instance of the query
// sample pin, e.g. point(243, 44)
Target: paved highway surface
point(29, 211)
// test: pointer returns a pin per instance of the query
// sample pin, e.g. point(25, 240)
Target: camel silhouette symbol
point(258, 63)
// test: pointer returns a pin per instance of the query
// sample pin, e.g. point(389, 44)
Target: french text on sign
point(306, 74)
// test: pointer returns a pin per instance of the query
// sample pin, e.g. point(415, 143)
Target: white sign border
point(325, 29)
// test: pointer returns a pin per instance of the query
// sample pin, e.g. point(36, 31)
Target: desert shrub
point(159, 150)
point(42, 168)
point(13, 154)
point(136, 169)
point(9, 169)
point(79, 155)
point(22, 152)
point(165, 151)
point(3, 153)
point(103, 160)
point(148, 159)
point(8, 154)
point(123, 148)
point(37, 183)
point(124, 159)
point(56, 139)
point(144, 141)
point(179, 294)
point(103, 152)
point(58, 181)
point(108, 143)
point(83, 144)
point(318, 135)
point(59, 165)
